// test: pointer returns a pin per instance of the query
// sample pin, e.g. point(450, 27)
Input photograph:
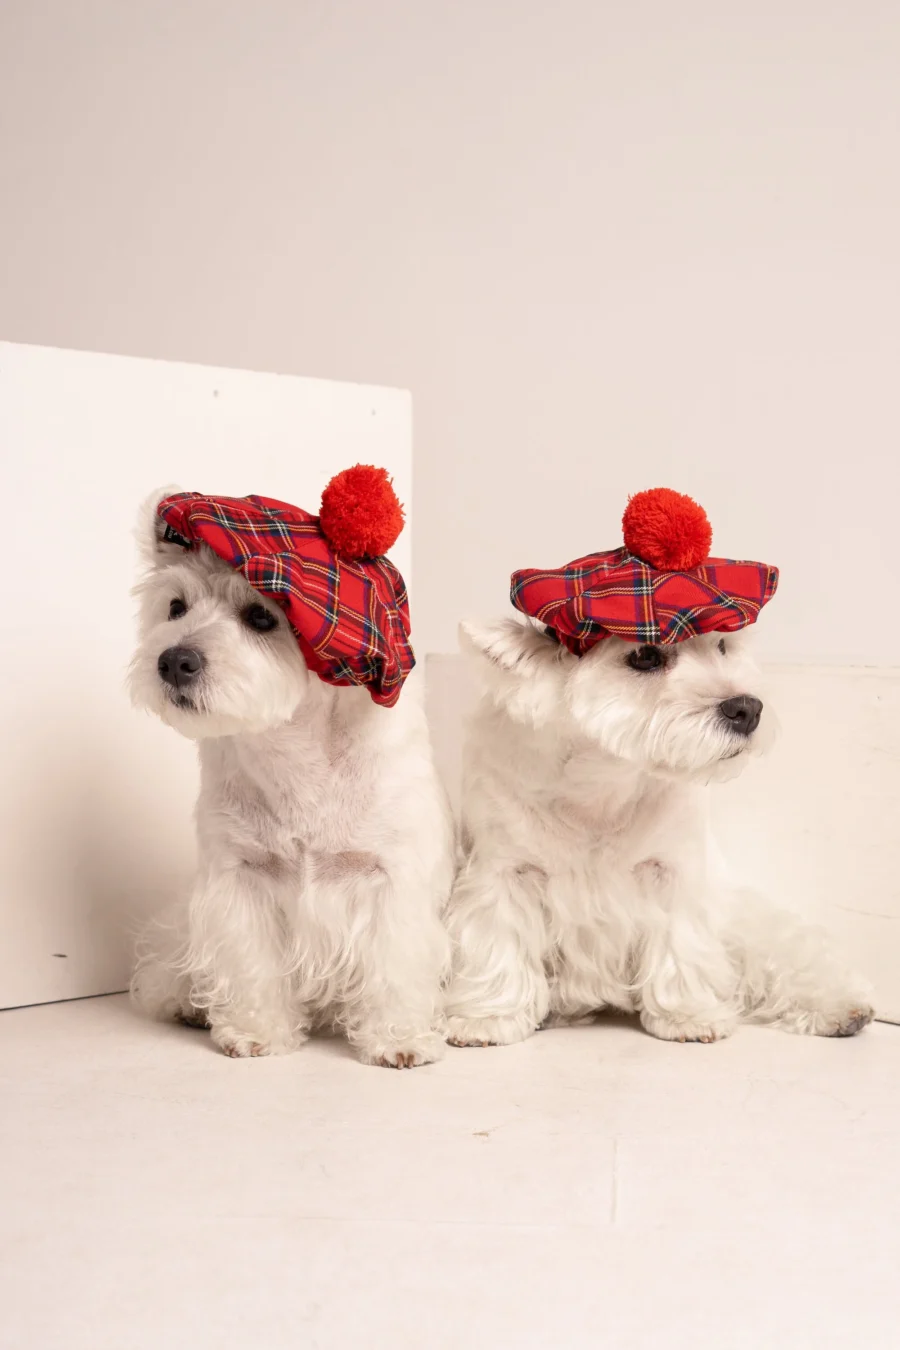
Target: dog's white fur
point(325, 842)
point(590, 879)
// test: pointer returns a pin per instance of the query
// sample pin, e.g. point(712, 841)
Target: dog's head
point(691, 708)
point(214, 658)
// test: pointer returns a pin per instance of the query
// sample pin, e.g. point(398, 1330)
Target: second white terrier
point(590, 878)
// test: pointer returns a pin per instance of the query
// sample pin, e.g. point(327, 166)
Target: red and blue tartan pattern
point(350, 616)
point(616, 595)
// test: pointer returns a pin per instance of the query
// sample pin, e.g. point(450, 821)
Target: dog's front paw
point(678, 1029)
point(238, 1044)
point(484, 1031)
point(405, 1053)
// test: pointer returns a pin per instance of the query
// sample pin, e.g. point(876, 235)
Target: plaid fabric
point(351, 618)
point(615, 594)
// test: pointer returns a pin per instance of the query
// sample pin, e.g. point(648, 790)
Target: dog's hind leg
point(498, 991)
point(791, 975)
point(160, 987)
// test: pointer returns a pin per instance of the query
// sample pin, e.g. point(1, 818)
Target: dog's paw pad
point(483, 1031)
point(853, 1022)
point(418, 1050)
point(403, 1059)
point(193, 1019)
point(687, 1033)
point(398, 1059)
point(243, 1049)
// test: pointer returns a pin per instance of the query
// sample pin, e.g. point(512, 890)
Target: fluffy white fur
point(325, 843)
point(590, 880)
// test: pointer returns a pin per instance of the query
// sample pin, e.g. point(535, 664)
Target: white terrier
point(590, 881)
point(325, 844)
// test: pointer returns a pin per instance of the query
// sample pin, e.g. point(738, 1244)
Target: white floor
point(592, 1188)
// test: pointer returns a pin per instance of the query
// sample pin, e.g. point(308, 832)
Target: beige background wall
point(604, 244)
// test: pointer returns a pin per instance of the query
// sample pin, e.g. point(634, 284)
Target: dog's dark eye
point(646, 658)
point(259, 619)
point(721, 645)
point(176, 609)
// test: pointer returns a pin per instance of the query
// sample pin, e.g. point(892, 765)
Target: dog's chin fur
point(590, 880)
point(325, 842)
point(199, 724)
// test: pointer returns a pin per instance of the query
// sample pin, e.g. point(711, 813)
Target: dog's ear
point(504, 642)
point(155, 549)
point(521, 667)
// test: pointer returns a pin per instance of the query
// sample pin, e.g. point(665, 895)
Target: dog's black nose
point(179, 666)
point(742, 713)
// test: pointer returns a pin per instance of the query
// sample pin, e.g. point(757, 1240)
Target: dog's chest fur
point(599, 847)
point(270, 799)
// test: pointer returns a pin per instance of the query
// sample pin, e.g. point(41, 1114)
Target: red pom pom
point(361, 516)
point(667, 530)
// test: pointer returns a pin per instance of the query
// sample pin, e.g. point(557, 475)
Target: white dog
point(590, 881)
point(325, 845)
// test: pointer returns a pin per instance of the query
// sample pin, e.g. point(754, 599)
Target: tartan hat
point(345, 602)
point(662, 587)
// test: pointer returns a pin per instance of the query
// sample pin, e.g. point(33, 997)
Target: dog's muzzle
point(741, 713)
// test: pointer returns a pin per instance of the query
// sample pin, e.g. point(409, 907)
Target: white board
point(814, 824)
point(96, 799)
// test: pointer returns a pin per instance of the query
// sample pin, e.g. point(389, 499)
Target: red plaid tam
point(350, 616)
point(615, 594)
